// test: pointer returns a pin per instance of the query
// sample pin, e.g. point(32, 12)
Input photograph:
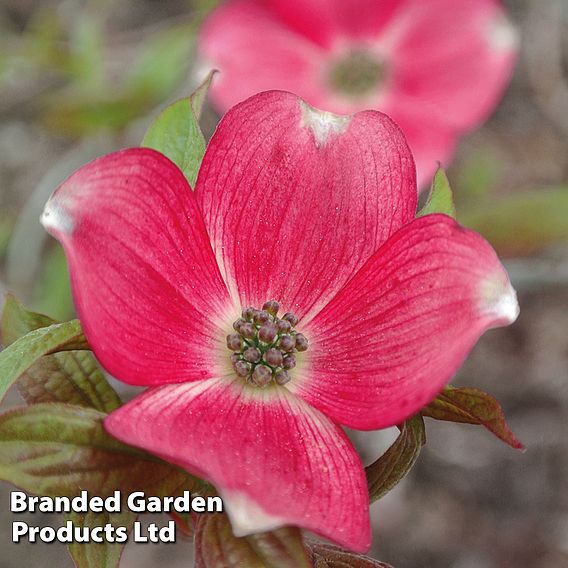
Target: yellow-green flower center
point(356, 74)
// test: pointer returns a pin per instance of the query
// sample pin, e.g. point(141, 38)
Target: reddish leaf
point(59, 450)
point(472, 406)
point(329, 556)
point(217, 547)
point(396, 462)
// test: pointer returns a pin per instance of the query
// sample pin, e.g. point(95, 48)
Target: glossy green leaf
point(18, 357)
point(472, 406)
point(441, 199)
point(217, 547)
point(329, 556)
point(58, 449)
point(396, 462)
point(522, 223)
point(72, 377)
point(176, 133)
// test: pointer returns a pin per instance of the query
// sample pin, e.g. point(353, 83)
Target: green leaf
point(200, 94)
point(60, 450)
point(57, 449)
point(164, 62)
point(86, 63)
point(441, 198)
point(176, 133)
point(18, 357)
point(329, 556)
point(94, 554)
point(16, 321)
point(396, 462)
point(217, 547)
point(472, 406)
point(81, 114)
point(522, 223)
point(99, 554)
point(158, 70)
point(73, 377)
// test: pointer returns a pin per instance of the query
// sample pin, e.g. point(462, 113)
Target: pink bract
point(442, 65)
point(317, 212)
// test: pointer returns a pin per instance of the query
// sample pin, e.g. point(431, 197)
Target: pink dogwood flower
point(292, 293)
point(436, 67)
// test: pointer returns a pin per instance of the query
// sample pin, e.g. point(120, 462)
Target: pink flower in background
point(292, 293)
point(436, 67)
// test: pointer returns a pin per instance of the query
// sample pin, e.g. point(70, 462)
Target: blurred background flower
point(437, 68)
point(79, 78)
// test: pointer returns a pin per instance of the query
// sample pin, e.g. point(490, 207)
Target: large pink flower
point(376, 310)
point(436, 67)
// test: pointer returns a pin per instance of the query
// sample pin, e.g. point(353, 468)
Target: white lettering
point(18, 502)
point(198, 504)
point(136, 502)
point(214, 505)
point(96, 504)
point(112, 504)
point(18, 529)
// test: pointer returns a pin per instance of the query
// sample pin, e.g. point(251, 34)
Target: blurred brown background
point(78, 79)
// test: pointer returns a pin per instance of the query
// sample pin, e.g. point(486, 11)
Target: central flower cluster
point(357, 74)
point(264, 345)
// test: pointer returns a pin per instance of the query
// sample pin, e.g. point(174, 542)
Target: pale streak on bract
point(500, 299)
point(247, 517)
point(56, 217)
point(322, 123)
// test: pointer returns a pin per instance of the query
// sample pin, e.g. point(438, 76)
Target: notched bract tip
point(247, 517)
point(55, 217)
point(322, 123)
point(500, 299)
point(503, 35)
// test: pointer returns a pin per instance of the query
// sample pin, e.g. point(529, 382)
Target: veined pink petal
point(145, 281)
point(451, 58)
point(245, 37)
point(296, 200)
point(397, 333)
point(275, 460)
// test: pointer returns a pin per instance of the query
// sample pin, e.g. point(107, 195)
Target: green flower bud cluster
point(264, 345)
